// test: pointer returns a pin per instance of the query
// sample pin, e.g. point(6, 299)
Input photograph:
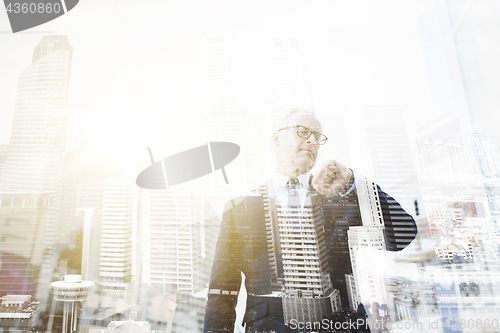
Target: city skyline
point(421, 131)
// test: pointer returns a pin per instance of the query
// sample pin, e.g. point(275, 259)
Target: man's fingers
point(326, 176)
point(332, 178)
point(328, 191)
point(331, 165)
point(339, 171)
point(329, 170)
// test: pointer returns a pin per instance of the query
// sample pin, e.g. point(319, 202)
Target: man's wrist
point(349, 187)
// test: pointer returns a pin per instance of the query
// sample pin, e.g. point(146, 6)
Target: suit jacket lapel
point(271, 211)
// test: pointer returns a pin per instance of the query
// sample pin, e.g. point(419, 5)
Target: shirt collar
point(282, 180)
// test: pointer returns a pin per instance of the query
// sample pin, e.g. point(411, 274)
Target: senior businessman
point(289, 238)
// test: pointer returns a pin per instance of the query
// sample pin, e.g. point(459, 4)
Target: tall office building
point(300, 235)
point(91, 245)
point(384, 154)
point(306, 284)
point(368, 284)
point(352, 291)
point(389, 154)
point(173, 254)
point(336, 213)
point(172, 240)
point(116, 241)
point(38, 135)
point(297, 254)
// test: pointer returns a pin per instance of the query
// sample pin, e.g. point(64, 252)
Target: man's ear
point(276, 139)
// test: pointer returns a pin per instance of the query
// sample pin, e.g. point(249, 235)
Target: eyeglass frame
point(316, 134)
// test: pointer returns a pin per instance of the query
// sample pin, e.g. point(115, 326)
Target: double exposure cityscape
point(406, 92)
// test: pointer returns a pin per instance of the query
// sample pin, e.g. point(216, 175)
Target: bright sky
point(137, 66)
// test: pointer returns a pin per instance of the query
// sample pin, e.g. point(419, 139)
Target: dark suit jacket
point(243, 247)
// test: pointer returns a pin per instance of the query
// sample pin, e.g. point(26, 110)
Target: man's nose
point(312, 139)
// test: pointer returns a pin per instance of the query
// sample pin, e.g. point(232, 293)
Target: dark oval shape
point(152, 177)
point(223, 153)
point(188, 165)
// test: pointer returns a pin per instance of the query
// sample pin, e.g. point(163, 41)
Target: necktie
point(293, 201)
point(293, 183)
point(293, 196)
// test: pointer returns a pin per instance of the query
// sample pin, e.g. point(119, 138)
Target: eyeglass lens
point(305, 133)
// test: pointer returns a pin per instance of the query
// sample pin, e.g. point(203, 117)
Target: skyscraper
point(38, 136)
point(172, 243)
point(368, 285)
point(339, 216)
point(116, 241)
point(384, 154)
point(307, 288)
point(172, 255)
point(389, 154)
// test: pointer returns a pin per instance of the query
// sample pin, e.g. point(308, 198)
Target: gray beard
point(299, 166)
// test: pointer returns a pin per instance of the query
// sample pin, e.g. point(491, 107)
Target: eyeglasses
point(305, 133)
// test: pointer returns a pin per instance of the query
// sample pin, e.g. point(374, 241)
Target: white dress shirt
point(280, 187)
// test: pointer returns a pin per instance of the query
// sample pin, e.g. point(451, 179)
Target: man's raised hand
point(333, 178)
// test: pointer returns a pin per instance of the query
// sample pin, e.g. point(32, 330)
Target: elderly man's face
point(294, 152)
